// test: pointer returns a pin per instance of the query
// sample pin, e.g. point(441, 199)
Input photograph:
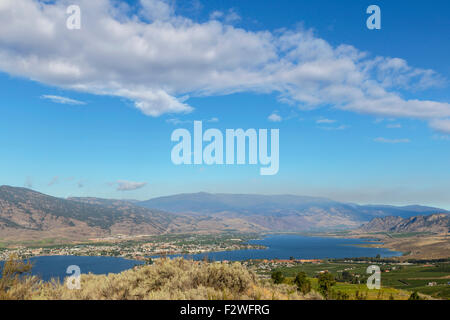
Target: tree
point(341, 296)
point(347, 276)
point(14, 275)
point(414, 296)
point(302, 282)
point(360, 296)
point(277, 277)
point(326, 281)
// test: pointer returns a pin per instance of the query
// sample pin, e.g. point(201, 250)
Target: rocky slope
point(27, 214)
point(435, 223)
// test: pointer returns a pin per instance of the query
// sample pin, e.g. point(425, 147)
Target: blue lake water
point(48, 267)
point(299, 247)
point(278, 247)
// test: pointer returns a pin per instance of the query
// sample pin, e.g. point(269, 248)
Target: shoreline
point(378, 241)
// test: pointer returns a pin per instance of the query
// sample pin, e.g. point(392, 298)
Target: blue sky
point(114, 133)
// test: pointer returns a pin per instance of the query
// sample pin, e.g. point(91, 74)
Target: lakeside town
point(138, 249)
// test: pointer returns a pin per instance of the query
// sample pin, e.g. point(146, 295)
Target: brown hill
point(435, 223)
point(27, 214)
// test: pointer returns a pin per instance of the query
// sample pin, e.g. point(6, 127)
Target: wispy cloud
point(229, 17)
point(394, 126)
point(177, 121)
point(274, 117)
point(213, 120)
point(330, 124)
point(341, 127)
point(385, 140)
point(321, 121)
point(62, 100)
point(123, 185)
point(441, 137)
point(54, 181)
point(442, 125)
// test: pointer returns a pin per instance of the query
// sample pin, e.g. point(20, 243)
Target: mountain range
point(28, 215)
point(437, 223)
point(282, 212)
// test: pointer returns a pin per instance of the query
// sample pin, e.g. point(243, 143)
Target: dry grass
point(176, 279)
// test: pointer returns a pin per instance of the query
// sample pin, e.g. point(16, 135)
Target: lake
point(299, 247)
point(48, 267)
point(278, 246)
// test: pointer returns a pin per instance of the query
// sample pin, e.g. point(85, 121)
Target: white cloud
point(275, 117)
point(62, 100)
point(394, 141)
point(394, 126)
point(341, 127)
point(123, 185)
point(156, 58)
point(442, 125)
point(232, 17)
point(215, 15)
point(229, 18)
point(177, 121)
point(320, 121)
point(156, 9)
point(395, 72)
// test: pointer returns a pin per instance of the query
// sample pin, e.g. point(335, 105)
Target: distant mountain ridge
point(32, 214)
point(437, 223)
point(282, 212)
point(27, 214)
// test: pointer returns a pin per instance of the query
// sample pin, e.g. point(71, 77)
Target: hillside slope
point(27, 214)
point(436, 223)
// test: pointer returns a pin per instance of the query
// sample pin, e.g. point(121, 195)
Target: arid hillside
point(27, 214)
point(435, 223)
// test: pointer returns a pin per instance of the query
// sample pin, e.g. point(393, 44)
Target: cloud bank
point(156, 58)
point(123, 185)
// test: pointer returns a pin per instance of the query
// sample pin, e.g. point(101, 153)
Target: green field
point(396, 281)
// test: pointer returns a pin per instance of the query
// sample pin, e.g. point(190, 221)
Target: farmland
point(397, 279)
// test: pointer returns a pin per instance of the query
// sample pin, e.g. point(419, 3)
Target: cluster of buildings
point(266, 265)
point(137, 251)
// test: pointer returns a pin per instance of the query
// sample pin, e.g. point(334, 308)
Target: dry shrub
point(15, 282)
point(166, 279)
